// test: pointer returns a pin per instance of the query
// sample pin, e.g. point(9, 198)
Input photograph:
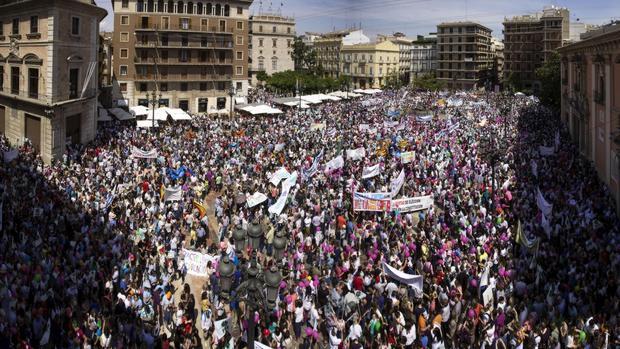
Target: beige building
point(529, 41)
point(328, 48)
point(404, 53)
point(369, 65)
point(591, 100)
point(497, 51)
point(271, 42)
point(465, 56)
point(423, 56)
point(48, 89)
point(195, 51)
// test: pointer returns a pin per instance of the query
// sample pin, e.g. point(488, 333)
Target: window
point(288, 30)
point(288, 43)
point(239, 40)
point(203, 86)
point(124, 20)
point(142, 86)
point(239, 25)
point(274, 42)
point(204, 24)
point(34, 24)
point(239, 10)
point(164, 39)
point(1, 28)
point(123, 86)
point(164, 55)
point(163, 87)
point(203, 56)
point(184, 86)
point(239, 71)
point(125, 4)
point(1, 79)
point(15, 80)
point(260, 42)
point(239, 55)
point(73, 82)
point(123, 70)
point(75, 25)
point(222, 25)
point(165, 22)
point(274, 64)
point(15, 26)
point(239, 86)
point(260, 28)
point(261, 63)
point(273, 29)
point(184, 23)
point(182, 55)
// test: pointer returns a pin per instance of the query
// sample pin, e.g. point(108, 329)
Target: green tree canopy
point(303, 56)
point(428, 82)
point(550, 82)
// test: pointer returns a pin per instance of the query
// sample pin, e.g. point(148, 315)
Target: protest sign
point(334, 164)
point(371, 171)
point(412, 204)
point(407, 157)
point(356, 154)
point(139, 153)
point(414, 281)
point(279, 175)
point(196, 262)
point(255, 199)
point(173, 194)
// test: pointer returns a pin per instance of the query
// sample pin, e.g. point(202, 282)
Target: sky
point(414, 17)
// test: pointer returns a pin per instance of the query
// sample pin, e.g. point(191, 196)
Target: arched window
point(150, 6)
point(32, 59)
point(170, 6)
point(190, 8)
point(218, 10)
point(227, 10)
point(180, 7)
point(160, 6)
point(140, 6)
point(200, 8)
point(209, 9)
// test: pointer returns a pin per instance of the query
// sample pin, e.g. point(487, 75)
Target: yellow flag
point(201, 208)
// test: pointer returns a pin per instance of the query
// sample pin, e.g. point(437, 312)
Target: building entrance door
point(33, 130)
point(73, 128)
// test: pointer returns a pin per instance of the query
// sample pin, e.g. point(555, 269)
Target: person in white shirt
point(410, 335)
point(355, 331)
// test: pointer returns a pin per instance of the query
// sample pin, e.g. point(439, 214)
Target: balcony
point(198, 45)
point(182, 78)
point(198, 62)
point(184, 28)
point(64, 95)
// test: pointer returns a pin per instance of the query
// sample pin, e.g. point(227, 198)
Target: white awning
point(103, 115)
point(121, 114)
point(146, 123)
point(139, 110)
point(261, 109)
point(241, 100)
point(312, 99)
point(369, 91)
point(223, 111)
point(161, 114)
point(178, 114)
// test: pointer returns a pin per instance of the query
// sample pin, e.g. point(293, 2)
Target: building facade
point(48, 85)
point(271, 42)
point(497, 50)
point(423, 56)
point(190, 52)
point(404, 54)
point(529, 41)
point(369, 65)
point(329, 45)
point(464, 54)
point(591, 100)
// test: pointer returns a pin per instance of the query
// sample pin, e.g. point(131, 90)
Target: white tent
point(241, 100)
point(296, 104)
point(369, 91)
point(261, 109)
point(139, 110)
point(161, 114)
point(178, 114)
point(146, 123)
point(223, 111)
point(329, 97)
point(103, 115)
point(311, 99)
point(121, 114)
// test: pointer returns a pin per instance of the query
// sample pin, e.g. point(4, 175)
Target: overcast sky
point(414, 17)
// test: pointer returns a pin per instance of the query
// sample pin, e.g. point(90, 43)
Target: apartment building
point(193, 53)
point(591, 100)
point(404, 55)
point(529, 41)
point(497, 51)
point(423, 55)
point(369, 65)
point(48, 73)
point(329, 45)
point(271, 41)
point(464, 54)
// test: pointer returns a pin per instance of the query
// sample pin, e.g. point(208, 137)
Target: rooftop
point(463, 24)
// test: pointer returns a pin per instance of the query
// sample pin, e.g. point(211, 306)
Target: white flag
point(543, 205)
point(397, 183)
point(334, 164)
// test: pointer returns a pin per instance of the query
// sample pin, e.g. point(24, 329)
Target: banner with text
point(196, 262)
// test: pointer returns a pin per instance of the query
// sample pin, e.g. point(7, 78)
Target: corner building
point(190, 52)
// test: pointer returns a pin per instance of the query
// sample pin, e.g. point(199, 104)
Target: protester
point(513, 247)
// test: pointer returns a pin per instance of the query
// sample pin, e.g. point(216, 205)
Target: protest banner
point(279, 175)
point(397, 183)
point(356, 154)
point(371, 171)
point(487, 296)
point(139, 153)
point(314, 168)
point(414, 281)
point(412, 204)
point(173, 194)
point(407, 157)
point(334, 164)
point(196, 262)
point(543, 205)
point(279, 147)
point(361, 203)
point(546, 151)
point(255, 199)
point(424, 118)
point(317, 126)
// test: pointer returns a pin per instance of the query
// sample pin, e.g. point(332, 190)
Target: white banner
point(334, 164)
point(290, 181)
point(546, 151)
point(397, 184)
point(279, 175)
point(196, 262)
point(487, 296)
point(317, 126)
point(281, 202)
point(424, 118)
point(412, 204)
point(278, 147)
point(407, 157)
point(173, 194)
point(543, 205)
point(415, 281)
point(220, 328)
point(371, 171)
point(356, 154)
point(363, 127)
point(139, 153)
point(10, 155)
point(544, 223)
point(255, 199)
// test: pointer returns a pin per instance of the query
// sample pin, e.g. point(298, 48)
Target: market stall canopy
point(369, 91)
point(161, 114)
point(121, 114)
point(178, 114)
point(139, 110)
point(103, 115)
point(256, 109)
point(241, 100)
point(146, 123)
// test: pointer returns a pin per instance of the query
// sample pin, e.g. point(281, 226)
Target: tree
point(550, 81)
point(304, 57)
point(262, 76)
point(428, 82)
point(512, 82)
point(393, 81)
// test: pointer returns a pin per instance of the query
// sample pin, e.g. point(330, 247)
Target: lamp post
point(153, 100)
point(298, 92)
point(279, 245)
point(255, 233)
point(259, 290)
point(231, 93)
point(239, 236)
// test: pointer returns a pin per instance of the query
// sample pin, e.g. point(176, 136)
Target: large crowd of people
point(519, 248)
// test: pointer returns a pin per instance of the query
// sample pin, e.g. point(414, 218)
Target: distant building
point(271, 42)
point(591, 100)
point(369, 65)
point(578, 28)
point(48, 80)
point(329, 45)
point(105, 58)
point(529, 41)
point(497, 49)
point(308, 38)
point(404, 48)
point(193, 53)
point(423, 55)
point(464, 54)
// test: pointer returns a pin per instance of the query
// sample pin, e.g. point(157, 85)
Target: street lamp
point(226, 269)
point(239, 236)
point(255, 232)
point(279, 245)
point(231, 93)
point(154, 102)
point(298, 92)
point(259, 291)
